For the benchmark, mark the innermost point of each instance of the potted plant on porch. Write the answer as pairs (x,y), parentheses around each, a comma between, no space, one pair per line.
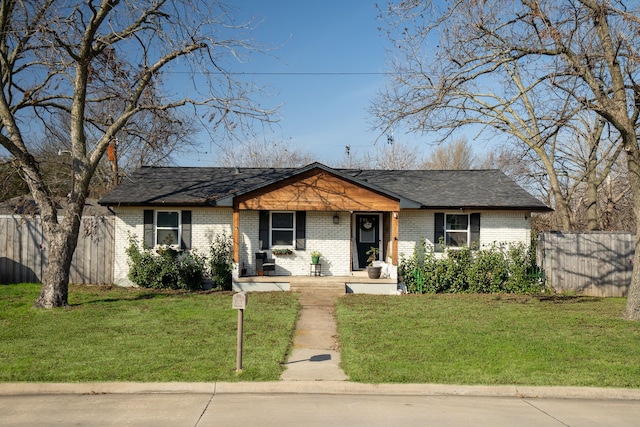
(315,257)
(373,272)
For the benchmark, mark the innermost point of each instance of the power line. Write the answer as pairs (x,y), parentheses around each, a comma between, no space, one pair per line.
(286,73)
(313,73)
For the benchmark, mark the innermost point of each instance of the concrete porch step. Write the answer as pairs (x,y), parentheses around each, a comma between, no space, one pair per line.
(357,282)
(317,284)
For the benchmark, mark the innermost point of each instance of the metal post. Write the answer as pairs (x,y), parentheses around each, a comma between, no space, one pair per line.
(240,333)
(239,302)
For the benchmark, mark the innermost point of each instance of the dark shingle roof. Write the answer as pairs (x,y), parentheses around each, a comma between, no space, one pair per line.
(188,185)
(454,188)
(181,186)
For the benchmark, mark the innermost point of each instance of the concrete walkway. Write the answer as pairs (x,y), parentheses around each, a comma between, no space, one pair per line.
(316,354)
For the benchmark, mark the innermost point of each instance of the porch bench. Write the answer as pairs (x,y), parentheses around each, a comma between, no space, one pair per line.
(264,264)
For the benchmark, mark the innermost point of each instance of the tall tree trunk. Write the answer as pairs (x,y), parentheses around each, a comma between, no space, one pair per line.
(593,182)
(62,240)
(562,209)
(632,311)
(592,195)
(561,205)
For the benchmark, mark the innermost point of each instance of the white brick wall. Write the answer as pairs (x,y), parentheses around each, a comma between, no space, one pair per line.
(206,223)
(129,222)
(332,240)
(249,240)
(321,235)
(496,228)
(502,228)
(413,226)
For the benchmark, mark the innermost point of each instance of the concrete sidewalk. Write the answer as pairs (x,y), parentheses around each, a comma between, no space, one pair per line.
(315,355)
(311,404)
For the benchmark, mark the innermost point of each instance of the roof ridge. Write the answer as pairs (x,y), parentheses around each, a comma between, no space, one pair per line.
(425,188)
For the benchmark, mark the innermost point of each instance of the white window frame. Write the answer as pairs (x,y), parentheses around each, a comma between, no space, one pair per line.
(292,229)
(468,230)
(156,227)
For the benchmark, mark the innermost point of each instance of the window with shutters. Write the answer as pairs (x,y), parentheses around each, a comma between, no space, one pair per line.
(167,228)
(456,230)
(283,229)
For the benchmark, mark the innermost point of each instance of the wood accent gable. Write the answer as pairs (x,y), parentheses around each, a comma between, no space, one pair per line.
(316,190)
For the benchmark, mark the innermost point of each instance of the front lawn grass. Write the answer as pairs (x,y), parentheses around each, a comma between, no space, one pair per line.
(123,334)
(120,334)
(489,339)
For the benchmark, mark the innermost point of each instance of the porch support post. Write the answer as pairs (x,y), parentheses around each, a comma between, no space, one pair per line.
(394,238)
(236,235)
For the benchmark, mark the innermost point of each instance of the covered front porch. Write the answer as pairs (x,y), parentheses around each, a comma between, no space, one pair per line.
(358,283)
(315,210)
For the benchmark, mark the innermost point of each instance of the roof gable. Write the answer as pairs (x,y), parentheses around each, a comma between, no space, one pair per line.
(317,189)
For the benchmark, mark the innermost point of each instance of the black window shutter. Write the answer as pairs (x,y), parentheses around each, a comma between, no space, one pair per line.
(263,232)
(475,231)
(438,235)
(185,242)
(301,226)
(149,240)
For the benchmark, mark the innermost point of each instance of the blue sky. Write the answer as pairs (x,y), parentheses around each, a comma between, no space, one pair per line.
(321,114)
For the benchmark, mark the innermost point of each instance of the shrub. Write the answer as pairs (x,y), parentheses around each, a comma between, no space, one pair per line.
(411,270)
(164,268)
(462,270)
(488,272)
(191,268)
(524,274)
(221,262)
(456,262)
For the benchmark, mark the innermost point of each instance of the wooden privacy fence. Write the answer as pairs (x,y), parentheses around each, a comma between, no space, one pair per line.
(595,263)
(24,251)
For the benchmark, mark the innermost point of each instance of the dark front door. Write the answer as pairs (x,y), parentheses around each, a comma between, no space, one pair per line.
(367,235)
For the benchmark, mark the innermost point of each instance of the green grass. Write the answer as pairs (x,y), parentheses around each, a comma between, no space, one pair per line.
(489,339)
(119,334)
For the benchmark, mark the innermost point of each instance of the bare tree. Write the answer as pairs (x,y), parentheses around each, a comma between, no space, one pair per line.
(95,56)
(587,158)
(153,138)
(586,151)
(10,183)
(455,155)
(470,81)
(575,54)
(616,200)
(264,154)
(392,154)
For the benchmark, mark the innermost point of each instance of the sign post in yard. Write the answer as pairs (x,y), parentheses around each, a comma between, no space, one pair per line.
(239,303)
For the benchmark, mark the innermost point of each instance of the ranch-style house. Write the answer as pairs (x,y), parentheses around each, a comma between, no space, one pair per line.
(278,216)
